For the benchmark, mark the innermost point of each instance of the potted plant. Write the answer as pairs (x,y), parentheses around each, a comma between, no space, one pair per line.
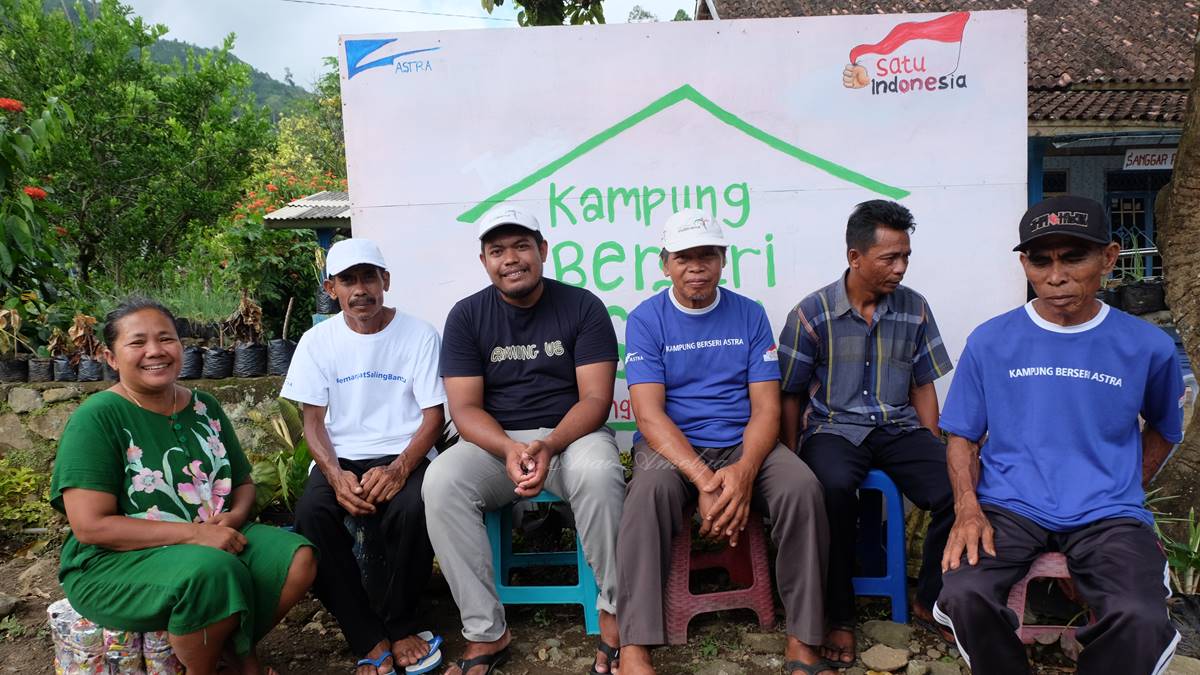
(249,354)
(326,303)
(280,350)
(41,366)
(218,361)
(13,368)
(89,353)
(62,350)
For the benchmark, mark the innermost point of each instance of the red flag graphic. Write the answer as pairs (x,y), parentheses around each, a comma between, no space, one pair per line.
(947,28)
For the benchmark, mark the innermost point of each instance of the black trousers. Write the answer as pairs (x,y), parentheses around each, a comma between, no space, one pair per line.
(1119,569)
(400,523)
(916,462)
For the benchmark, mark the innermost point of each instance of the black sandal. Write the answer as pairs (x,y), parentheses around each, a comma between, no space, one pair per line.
(613,654)
(492,661)
(809,668)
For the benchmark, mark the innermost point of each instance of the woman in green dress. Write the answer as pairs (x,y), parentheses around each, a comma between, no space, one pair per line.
(158,494)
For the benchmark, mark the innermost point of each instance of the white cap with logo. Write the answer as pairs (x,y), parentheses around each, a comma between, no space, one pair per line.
(689,228)
(507,214)
(350,252)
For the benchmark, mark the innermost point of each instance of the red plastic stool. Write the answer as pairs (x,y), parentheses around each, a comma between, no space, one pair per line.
(1045,566)
(746,565)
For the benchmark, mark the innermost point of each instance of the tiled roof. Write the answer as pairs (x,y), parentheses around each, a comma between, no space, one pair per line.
(1135,105)
(1137,53)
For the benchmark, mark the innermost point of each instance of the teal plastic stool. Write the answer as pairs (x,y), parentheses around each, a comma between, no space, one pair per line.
(893,582)
(584,592)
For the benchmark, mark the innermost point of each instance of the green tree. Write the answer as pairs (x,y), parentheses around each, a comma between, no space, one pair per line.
(269,265)
(640,15)
(156,149)
(311,140)
(552,12)
(31,252)
(681,15)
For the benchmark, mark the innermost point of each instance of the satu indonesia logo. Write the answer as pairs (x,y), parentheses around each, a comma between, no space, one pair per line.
(914,56)
(383,55)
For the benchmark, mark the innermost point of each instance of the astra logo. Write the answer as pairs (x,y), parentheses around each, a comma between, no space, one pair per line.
(358,50)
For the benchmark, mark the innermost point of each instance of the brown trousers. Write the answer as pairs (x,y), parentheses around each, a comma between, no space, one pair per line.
(785,491)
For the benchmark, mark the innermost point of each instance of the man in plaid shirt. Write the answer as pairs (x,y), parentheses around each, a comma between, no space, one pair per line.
(858,360)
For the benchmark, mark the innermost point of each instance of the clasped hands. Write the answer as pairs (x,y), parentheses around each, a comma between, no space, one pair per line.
(724,502)
(377,485)
(527,465)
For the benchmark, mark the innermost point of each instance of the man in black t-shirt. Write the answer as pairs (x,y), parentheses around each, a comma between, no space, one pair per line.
(528,365)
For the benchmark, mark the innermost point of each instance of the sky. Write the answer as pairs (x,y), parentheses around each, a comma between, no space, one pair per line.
(276,34)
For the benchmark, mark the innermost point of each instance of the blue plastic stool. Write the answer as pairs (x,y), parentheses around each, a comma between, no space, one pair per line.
(584,592)
(883,558)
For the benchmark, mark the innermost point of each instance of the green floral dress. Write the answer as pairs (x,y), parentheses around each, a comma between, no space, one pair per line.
(180,468)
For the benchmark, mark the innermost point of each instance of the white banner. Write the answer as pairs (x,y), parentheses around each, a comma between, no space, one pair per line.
(777,126)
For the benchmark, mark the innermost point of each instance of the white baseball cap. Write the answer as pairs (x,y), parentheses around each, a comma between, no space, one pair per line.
(350,252)
(507,214)
(689,228)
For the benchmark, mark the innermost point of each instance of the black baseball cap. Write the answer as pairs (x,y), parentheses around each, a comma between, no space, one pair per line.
(1073,216)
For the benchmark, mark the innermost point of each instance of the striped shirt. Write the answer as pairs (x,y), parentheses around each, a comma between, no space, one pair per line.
(858,377)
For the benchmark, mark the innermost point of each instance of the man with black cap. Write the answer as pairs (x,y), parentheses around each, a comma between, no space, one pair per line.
(528,364)
(368,379)
(1046,454)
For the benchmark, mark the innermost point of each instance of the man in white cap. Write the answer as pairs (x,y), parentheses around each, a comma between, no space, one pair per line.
(529,365)
(703,375)
(368,379)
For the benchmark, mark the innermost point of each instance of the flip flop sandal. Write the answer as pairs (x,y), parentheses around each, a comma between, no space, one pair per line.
(492,661)
(809,668)
(613,654)
(378,661)
(432,660)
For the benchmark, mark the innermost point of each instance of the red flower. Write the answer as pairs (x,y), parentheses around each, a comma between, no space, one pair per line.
(35,192)
(11,105)
(62,231)
(271,188)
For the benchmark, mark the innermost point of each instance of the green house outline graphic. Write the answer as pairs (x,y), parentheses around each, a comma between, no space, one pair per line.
(684,93)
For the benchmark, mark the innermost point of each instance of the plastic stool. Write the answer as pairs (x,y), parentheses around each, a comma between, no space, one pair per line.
(584,592)
(888,579)
(746,565)
(1045,566)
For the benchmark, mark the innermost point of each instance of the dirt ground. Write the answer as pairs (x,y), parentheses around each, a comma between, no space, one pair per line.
(547,640)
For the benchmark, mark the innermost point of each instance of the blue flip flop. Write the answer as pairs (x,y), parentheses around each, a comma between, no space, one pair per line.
(376,662)
(432,660)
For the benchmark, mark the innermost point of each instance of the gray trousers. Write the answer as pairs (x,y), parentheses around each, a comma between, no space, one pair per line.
(466,481)
(785,491)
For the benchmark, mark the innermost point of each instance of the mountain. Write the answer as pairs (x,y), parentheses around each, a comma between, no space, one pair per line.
(275,95)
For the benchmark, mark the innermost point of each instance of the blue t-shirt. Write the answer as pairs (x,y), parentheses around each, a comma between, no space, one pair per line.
(706,360)
(1060,408)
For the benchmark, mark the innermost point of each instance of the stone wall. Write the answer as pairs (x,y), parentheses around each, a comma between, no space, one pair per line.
(32,415)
